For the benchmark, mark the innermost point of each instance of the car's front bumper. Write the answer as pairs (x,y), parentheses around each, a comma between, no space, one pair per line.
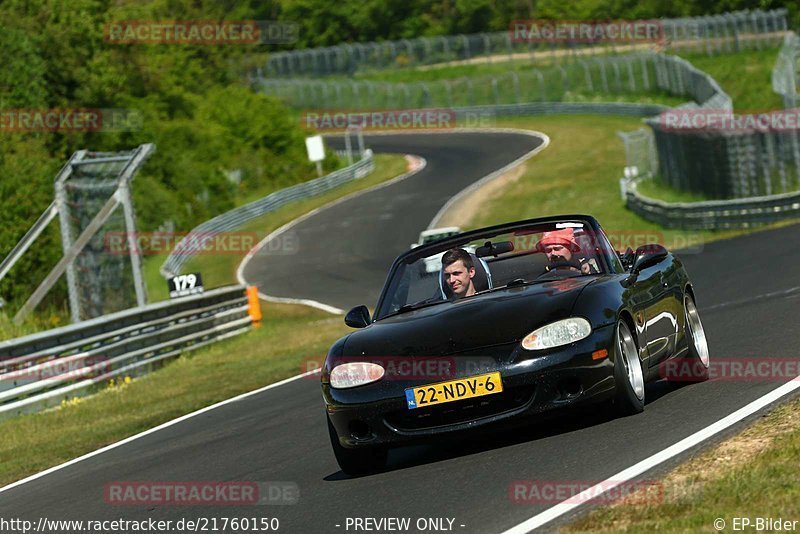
(377,413)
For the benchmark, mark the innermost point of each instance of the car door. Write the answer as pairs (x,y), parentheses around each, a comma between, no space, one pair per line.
(653,311)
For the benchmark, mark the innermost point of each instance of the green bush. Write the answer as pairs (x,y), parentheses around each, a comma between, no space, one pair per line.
(204,121)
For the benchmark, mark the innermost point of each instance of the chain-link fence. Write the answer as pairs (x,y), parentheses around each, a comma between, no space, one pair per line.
(103,279)
(752,160)
(631,74)
(723,163)
(640,153)
(705,148)
(89,190)
(785,72)
(711,35)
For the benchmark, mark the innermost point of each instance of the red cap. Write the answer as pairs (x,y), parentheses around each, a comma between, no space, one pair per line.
(564,237)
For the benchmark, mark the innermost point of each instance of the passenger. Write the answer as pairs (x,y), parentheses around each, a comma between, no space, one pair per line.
(458,272)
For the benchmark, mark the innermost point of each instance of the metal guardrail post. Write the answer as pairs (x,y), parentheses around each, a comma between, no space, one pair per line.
(66,233)
(69,255)
(30,236)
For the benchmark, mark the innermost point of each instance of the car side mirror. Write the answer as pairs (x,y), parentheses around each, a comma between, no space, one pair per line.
(358,317)
(647,256)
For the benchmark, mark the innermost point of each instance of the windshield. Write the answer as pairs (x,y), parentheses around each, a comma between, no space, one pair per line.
(490,261)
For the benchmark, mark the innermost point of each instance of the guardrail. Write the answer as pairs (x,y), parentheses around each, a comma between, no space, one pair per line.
(42,369)
(713,214)
(231,220)
(710,34)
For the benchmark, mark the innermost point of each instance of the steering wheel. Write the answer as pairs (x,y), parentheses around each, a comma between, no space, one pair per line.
(560,269)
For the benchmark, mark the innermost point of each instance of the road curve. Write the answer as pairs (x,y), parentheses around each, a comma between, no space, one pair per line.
(341,255)
(749,310)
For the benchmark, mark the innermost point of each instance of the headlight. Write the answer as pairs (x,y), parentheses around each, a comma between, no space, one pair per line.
(558,333)
(350,375)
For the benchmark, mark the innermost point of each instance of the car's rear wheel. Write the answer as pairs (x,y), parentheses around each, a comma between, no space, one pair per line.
(628,374)
(359,461)
(699,355)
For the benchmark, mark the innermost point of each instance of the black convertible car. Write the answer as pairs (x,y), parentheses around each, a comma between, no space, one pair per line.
(523,318)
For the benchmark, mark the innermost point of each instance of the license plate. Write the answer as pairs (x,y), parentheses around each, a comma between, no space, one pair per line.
(453,390)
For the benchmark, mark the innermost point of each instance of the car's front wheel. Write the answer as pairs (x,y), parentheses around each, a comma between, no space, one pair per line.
(628,374)
(359,461)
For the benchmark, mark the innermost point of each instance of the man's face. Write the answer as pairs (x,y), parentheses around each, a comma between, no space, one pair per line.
(459,278)
(557,252)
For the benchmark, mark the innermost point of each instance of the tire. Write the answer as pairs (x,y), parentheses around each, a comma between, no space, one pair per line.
(699,357)
(356,462)
(628,375)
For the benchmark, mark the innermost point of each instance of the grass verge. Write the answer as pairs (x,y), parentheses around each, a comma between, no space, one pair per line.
(745,76)
(35,442)
(558,181)
(751,474)
(655,189)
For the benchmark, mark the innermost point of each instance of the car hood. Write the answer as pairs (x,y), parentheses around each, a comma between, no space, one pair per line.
(496,318)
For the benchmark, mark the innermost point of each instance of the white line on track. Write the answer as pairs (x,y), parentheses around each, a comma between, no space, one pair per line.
(748,300)
(416,164)
(421,163)
(637,469)
(152,430)
(534,522)
(496,174)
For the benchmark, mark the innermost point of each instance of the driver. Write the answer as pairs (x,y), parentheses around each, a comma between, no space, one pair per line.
(559,246)
(459,272)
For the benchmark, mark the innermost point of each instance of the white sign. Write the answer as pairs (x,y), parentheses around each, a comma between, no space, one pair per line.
(184,285)
(316,150)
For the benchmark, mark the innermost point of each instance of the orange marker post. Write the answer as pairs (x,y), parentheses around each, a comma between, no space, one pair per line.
(254,306)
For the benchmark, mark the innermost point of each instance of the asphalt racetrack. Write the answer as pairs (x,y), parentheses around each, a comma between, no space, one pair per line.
(344,252)
(747,292)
